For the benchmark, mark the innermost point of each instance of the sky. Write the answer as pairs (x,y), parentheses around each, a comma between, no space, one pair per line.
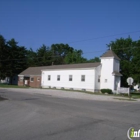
(88,25)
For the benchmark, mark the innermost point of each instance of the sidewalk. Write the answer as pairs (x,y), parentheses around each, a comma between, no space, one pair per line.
(71,94)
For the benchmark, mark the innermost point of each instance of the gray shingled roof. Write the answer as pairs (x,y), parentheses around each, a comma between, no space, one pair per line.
(116,73)
(110,53)
(37,70)
(33,71)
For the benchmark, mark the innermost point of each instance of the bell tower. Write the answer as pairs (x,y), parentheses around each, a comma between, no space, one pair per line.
(110,67)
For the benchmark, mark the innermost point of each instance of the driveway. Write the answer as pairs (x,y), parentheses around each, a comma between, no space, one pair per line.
(31,114)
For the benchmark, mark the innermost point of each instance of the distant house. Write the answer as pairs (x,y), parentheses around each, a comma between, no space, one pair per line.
(7,80)
(84,76)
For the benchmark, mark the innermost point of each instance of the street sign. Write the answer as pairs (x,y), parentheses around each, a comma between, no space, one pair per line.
(130,80)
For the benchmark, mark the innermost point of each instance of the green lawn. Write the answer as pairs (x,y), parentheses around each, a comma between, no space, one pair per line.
(10,86)
(129,99)
(135,95)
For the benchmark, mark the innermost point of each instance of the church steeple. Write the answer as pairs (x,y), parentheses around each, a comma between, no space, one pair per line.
(110,66)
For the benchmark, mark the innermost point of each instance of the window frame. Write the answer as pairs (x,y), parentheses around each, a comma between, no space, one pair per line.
(58,77)
(70,77)
(49,77)
(83,78)
(38,78)
(99,78)
(31,79)
(20,79)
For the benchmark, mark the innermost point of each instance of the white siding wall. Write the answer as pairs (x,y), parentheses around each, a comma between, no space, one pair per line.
(106,73)
(76,82)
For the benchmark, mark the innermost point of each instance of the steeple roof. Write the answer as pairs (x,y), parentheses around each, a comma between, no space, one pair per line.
(110,53)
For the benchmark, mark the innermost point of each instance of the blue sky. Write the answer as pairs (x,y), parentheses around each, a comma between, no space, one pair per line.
(83,24)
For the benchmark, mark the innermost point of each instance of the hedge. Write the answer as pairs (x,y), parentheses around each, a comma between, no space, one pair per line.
(109,91)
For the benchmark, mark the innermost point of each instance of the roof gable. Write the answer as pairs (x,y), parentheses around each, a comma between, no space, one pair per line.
(110,53)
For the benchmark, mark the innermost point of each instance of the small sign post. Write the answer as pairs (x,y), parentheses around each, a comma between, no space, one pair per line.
(130,82)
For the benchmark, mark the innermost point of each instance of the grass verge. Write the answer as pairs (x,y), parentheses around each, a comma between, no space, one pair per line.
(125,99)
(135,95)
(11,86)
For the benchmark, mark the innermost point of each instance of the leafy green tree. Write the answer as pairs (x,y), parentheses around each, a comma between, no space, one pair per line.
(44,56)
(17,58)
(31,58)
(3,57)
(75,57)
(59,52)
(95,59)
(128,51)
(136,61)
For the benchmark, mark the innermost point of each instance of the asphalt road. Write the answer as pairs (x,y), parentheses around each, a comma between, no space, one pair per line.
(26,116)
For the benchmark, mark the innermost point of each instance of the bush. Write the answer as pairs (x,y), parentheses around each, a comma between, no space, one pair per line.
(109,91)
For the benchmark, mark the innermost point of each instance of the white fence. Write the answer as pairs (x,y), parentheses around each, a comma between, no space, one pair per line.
(123,90)
(5,81)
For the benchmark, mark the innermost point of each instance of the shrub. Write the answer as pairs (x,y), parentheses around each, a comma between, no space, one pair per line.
(109,91)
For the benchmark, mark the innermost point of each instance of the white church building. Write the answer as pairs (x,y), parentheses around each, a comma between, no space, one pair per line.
(84,76)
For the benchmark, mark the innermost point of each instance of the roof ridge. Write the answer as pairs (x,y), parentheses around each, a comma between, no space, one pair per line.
(37,70)
(64,64)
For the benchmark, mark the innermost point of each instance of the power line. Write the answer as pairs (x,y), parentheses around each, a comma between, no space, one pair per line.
(113,50)
(103,37)
(66,54)
(86,40)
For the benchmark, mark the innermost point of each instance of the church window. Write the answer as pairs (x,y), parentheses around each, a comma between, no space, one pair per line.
(99,78)
(70,77)
(49,77)
(58,77)
(82,77)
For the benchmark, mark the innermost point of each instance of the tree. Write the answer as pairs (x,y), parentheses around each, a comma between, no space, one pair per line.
(3,57)
(59,52)
(44,56)
(31,58)
(75,57)
(95,59)
(17,58)
(136,61)
(128,51)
